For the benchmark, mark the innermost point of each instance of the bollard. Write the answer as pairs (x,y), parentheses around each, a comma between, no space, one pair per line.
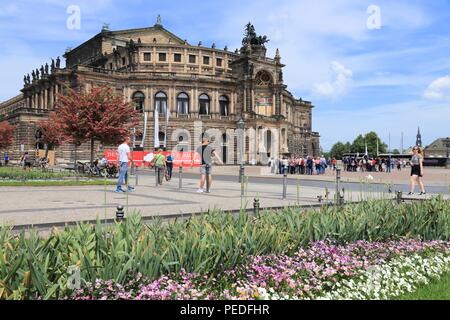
(399,197)
(284,183)
(338,182)
(256,207)
(136,176)
(180,178)
(342,201)
(208,174)
(120,213)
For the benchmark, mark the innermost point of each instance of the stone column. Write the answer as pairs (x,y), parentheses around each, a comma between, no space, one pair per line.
(52,97)
(45,97)
(152,100)
(195,106)
(147,100)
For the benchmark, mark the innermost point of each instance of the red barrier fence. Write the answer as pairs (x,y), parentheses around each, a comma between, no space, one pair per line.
(181,159)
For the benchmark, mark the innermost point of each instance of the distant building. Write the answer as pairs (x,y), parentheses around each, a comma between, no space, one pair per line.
(438,149)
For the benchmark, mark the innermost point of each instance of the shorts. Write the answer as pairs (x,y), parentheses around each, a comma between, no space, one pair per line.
(415,171)
(203,169)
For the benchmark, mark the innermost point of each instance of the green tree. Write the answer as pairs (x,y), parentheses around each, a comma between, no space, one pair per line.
(371,138)
(339,149)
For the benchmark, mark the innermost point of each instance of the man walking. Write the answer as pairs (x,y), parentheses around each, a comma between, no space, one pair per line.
(6,158)
(160,164)
(123,160)
(207,153)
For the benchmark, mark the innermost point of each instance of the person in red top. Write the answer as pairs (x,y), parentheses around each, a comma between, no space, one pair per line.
(334,163)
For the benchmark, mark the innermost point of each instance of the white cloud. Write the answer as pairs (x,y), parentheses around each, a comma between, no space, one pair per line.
(338,86)
(439,89)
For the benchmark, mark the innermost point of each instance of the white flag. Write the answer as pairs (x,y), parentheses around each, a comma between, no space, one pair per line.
(157,143)
(167,125)
(145,129)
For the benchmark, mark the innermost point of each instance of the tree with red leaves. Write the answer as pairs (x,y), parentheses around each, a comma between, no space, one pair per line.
(6,134)
(99,115)
(52,135)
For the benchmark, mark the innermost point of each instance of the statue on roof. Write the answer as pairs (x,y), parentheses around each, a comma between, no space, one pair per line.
(28,79)
(58,63)
(37,74)
(52,68)
(252,39)
(158,21)
(46,68)
(33,74)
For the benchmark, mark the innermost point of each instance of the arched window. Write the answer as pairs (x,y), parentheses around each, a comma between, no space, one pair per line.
(204,103)
(224,106)
(139,100)
(183,104)
(161,102)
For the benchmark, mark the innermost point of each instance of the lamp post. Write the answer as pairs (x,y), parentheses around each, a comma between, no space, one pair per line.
(241,127)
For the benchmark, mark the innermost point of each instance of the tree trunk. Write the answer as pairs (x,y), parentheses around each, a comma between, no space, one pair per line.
(92,152)
(75,159)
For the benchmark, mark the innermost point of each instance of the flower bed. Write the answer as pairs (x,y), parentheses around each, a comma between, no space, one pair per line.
(32,266)
(361,270)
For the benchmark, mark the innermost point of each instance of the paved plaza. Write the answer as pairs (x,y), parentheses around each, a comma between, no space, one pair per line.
(47,205)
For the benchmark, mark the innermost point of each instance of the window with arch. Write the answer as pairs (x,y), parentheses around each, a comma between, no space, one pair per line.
(139,101)
(161,102)
(204,103)
(224,106)
(183,104)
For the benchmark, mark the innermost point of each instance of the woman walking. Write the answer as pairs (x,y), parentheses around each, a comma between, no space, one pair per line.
(417,171)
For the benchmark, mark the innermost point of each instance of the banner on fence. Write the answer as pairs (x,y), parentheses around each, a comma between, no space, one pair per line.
(181,159)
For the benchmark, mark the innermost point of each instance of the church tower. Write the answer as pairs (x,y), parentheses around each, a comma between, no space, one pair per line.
(419,139)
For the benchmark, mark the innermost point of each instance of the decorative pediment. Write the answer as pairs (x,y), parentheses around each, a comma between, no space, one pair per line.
(156,34)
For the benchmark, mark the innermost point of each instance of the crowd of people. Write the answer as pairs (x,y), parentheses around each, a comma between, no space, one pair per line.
(375,164)
(319,165)
(303,166)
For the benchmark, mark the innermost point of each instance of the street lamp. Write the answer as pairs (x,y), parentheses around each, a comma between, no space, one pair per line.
(241,127)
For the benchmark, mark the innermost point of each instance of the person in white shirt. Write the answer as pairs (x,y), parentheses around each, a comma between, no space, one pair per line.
(123,159)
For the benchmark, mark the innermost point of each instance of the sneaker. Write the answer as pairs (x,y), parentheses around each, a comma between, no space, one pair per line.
(120,191)
(422,194)
(410,193)
(200,191)
(130,189)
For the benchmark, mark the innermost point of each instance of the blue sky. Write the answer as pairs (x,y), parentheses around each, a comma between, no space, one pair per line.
(390,80)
